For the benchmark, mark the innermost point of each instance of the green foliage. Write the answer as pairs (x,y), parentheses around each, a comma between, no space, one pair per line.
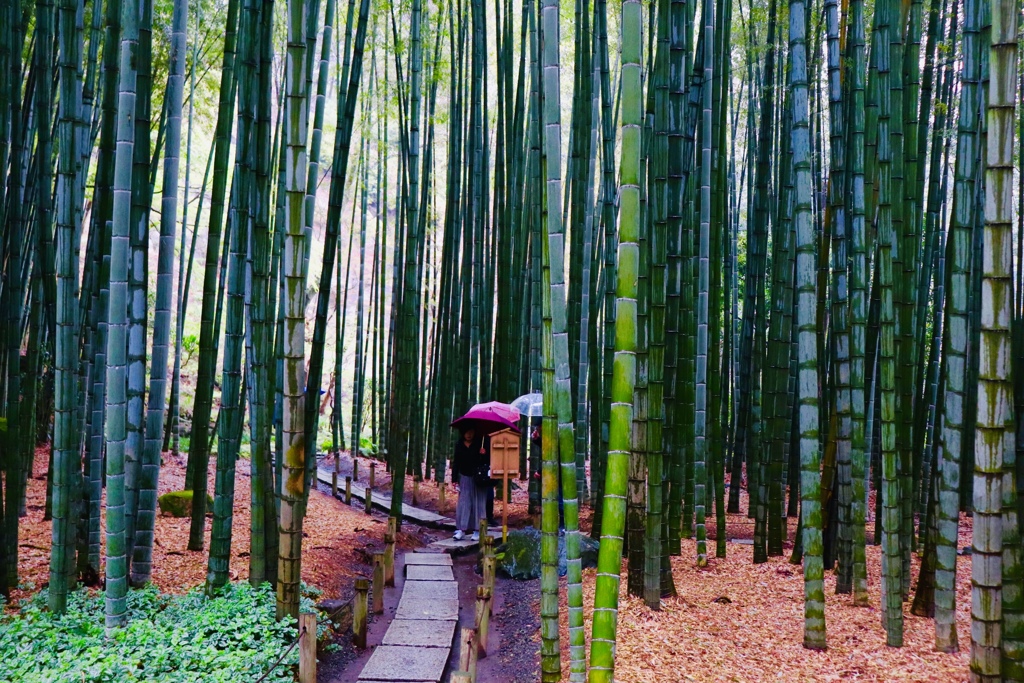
(231,637)
(189,344)
(179,503)
(367,448)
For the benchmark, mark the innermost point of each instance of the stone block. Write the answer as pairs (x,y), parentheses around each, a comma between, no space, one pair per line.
(421,633)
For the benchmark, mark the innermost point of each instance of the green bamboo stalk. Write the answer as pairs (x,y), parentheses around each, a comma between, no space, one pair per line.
(806,303)
(138,273)
(117,567)
(858,302)
(891,558)
(65,436)
(263,515)
(229,418)
(299,454)
(956,338)
(606,592)
(293,314)
(359,380)
(13,311)
(700,464)
(199,454)
(996,622)
(150,465)
(837,216)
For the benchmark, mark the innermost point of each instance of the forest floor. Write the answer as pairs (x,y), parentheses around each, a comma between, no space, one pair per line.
(730,621)
(737,621)
(338,544)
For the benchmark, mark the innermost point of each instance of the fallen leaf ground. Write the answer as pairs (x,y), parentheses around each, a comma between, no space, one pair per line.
(757,634)
(338,540)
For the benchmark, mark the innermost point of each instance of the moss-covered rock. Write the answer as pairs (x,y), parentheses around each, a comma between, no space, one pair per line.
(519,556)
(179,503)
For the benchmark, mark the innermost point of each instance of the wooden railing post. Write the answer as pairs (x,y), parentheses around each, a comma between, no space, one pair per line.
(369,498)
(359,611)
(378,583)
(440,495)
(307,647)
(373,473)
(467,652)
(389,552)
(355,468)
(483,619)
(348,490)
(334,484)
(489,564)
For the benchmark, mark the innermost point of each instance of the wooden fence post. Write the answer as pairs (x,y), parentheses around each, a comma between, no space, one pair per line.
(348,490)
(334,484)
(489,564)
(467,652)
(460,677)
(378,583)
(440,496)
(483,618)
(373,473)
(389,552)
(359,613)
(307,647)
(355,468)
(485,540)
(369,498)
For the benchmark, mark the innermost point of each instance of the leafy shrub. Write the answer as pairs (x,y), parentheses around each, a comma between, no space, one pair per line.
(169,639)
(367,448)
(179,503)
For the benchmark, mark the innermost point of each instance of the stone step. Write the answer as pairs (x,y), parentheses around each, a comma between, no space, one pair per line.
(428,558)
(431,590)
(405,663)
(420,633)
(428,572)
(428,608)
(466,546)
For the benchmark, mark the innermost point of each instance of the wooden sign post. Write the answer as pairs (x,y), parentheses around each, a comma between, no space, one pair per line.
(504,465)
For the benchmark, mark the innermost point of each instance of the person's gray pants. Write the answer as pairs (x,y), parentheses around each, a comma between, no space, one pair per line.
(472,506)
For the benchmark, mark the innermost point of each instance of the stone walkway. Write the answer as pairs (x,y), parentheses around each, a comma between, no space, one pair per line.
(418,642)
(382,500)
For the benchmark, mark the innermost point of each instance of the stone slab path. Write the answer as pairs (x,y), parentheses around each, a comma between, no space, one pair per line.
(418,642)
(466,545)
(382,501)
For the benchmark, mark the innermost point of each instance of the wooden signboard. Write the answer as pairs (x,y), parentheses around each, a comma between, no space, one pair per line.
(504,454)
(504,465)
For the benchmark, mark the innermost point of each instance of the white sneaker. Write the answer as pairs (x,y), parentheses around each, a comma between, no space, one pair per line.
(459,535)
(475,536)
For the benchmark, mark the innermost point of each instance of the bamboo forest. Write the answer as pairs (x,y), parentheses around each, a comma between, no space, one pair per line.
(511,341)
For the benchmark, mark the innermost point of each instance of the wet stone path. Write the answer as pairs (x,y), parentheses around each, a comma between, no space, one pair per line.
(418,642)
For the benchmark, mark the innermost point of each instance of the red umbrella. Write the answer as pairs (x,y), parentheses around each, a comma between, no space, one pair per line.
(490,417)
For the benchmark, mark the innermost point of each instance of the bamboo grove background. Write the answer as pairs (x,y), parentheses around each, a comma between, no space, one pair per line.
(772,265)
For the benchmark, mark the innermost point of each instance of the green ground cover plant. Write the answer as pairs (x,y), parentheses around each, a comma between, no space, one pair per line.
(232,636)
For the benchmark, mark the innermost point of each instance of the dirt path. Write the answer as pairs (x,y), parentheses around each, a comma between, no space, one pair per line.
(512,641)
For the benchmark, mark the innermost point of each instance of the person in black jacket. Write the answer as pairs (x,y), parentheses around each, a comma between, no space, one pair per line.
(468,464)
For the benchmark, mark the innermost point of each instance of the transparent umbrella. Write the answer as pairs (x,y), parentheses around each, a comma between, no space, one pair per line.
(530,405)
